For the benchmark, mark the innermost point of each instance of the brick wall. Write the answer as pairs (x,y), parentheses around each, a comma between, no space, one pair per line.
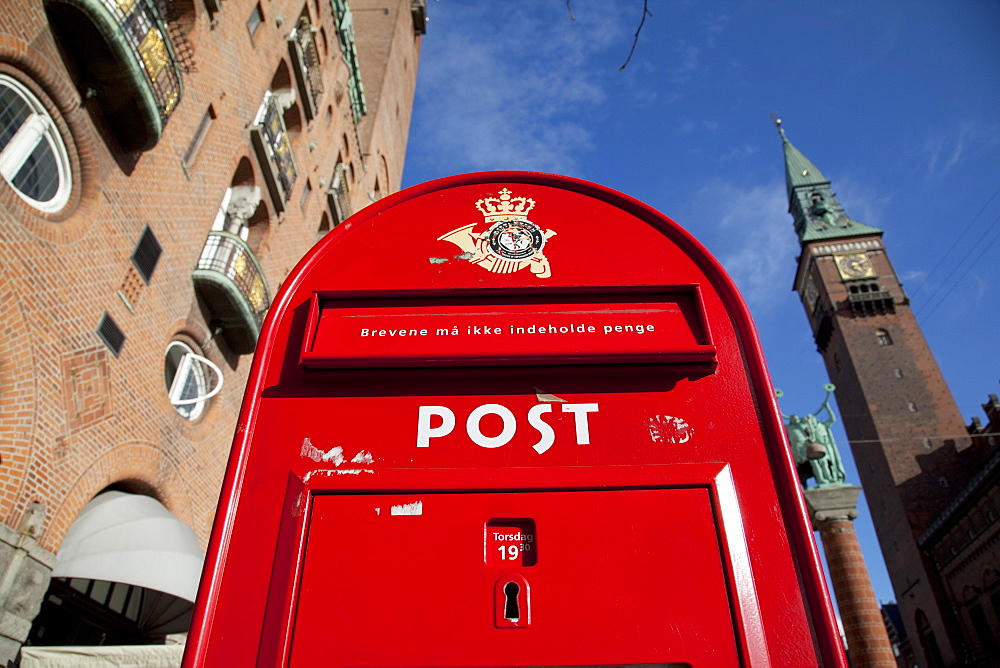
(73,417)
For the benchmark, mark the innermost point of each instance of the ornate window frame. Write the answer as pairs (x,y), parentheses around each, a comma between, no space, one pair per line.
(29,141)
(188,385)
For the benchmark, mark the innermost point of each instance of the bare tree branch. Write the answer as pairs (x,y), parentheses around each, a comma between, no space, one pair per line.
(645,13)
(569,8)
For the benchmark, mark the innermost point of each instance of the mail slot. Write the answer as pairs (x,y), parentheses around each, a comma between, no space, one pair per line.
(642,325)
(511,419)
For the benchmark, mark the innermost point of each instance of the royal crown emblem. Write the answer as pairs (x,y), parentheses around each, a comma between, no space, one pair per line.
(505,207)
(511,243)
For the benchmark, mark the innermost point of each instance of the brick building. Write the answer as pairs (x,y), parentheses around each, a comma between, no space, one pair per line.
(165,164)
(963,544)
(922,471)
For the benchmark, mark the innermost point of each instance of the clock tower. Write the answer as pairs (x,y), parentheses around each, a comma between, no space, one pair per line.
(905,431)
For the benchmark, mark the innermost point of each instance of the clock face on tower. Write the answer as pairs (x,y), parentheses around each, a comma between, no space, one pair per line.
(854,265)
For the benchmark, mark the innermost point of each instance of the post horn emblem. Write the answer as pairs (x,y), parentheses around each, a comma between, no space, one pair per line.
(511,243)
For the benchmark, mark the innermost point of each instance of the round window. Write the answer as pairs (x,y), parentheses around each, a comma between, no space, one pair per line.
(191,380)
(33,157)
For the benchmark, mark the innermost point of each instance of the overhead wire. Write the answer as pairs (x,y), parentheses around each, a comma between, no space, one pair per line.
(938,297)
(955,243)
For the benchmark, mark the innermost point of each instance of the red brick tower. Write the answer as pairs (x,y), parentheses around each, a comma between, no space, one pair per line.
(905,430)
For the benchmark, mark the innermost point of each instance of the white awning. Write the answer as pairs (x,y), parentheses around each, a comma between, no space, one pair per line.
(130,538)
(133,656)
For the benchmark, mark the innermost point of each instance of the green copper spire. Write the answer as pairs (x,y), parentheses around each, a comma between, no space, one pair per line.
(813,205)
(799,171)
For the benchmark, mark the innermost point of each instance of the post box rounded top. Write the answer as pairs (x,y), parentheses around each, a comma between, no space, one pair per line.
(513,230)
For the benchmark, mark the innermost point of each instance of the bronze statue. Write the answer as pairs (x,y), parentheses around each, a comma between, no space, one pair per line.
(812,442)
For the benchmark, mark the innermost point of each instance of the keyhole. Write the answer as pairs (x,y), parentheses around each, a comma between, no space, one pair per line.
(511,609)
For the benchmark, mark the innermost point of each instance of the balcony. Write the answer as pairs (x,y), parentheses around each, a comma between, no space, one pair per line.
(274,151)
(338,196)
(124,60)
(865,299)
(232,285)
(305,59)
(349,52)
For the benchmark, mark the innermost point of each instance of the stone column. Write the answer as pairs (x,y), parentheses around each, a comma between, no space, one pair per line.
(25,571)
(832,511)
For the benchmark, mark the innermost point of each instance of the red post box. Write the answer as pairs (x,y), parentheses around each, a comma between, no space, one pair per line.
(511,419)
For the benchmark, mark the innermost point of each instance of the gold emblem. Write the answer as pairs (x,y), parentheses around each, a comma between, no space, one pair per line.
(511,243)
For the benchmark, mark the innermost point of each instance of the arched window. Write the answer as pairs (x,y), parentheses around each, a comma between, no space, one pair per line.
(324,226)
(928,642)
(33,157)
(883,337)
(338,194)
(189,380)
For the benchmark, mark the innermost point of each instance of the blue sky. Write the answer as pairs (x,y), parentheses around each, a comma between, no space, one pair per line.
(897,103)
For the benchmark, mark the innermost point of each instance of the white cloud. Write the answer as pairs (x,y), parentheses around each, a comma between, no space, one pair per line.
(737,152)
(752,237)
(715,27)
(509,94)
(863,200)
(687,63)
(914,275)
(943,148)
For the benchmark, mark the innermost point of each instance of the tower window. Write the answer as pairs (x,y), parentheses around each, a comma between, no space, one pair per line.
(912,407)
(898,373)
(883,338)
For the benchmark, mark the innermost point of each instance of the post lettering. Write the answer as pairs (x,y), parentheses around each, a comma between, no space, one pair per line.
(425,432)
(546,434)
(509,426)
(582,425)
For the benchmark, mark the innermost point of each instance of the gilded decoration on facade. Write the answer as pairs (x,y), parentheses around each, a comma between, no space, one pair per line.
(153,51)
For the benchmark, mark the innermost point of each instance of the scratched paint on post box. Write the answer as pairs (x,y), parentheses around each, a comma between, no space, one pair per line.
(669,429)
(334,455)
(415,508)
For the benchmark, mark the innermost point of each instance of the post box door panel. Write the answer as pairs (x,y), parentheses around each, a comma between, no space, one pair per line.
(596,577)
